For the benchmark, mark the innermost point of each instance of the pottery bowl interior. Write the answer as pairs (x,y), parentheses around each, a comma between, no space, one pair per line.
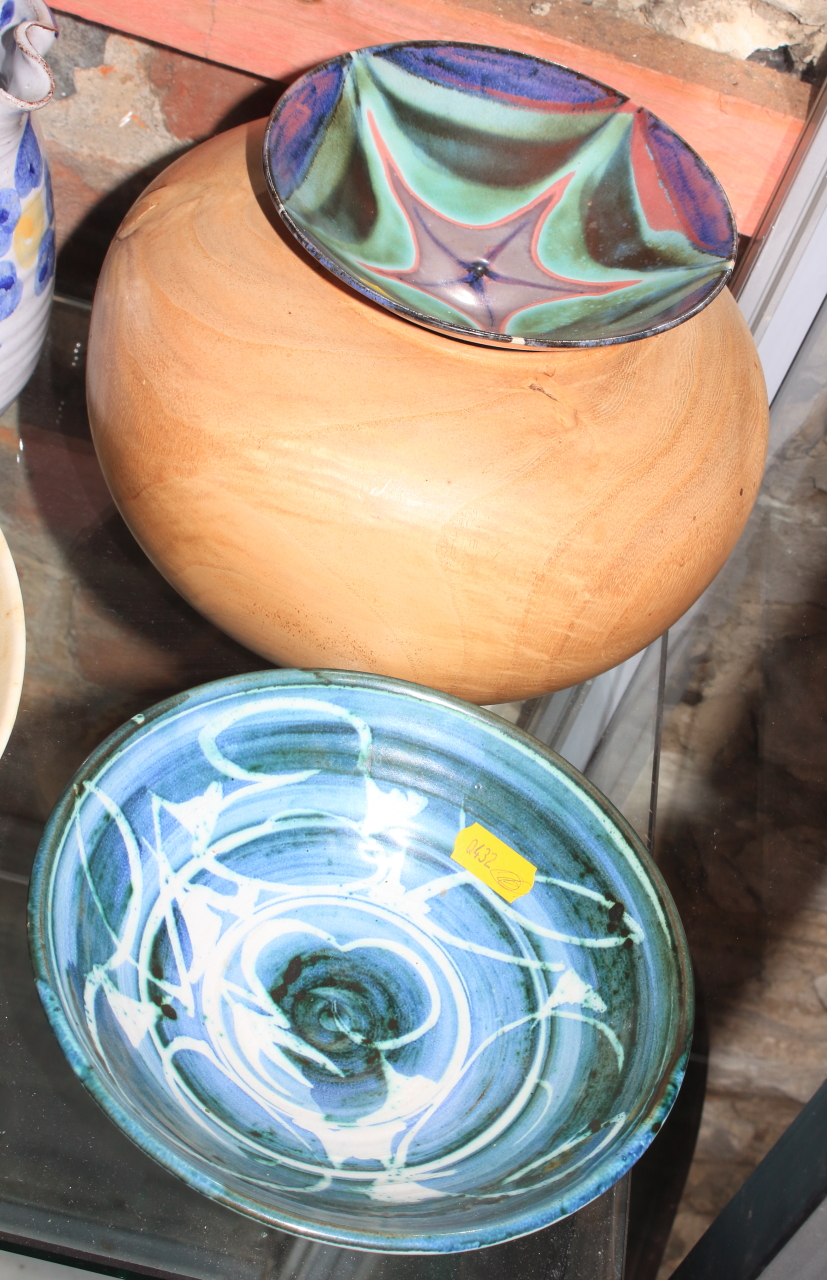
(259,955)
(497,197)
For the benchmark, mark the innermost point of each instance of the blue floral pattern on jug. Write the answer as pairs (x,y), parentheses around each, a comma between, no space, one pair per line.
(11,289)
(27,225)
(259,954)
(28,168)
(9,216)
(45,262)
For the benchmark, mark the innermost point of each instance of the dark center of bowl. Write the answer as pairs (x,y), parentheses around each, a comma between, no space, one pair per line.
(339,1005)
(476,271)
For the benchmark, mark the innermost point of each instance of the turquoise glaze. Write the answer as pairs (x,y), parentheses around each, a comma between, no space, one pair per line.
(497,197)
(258,955)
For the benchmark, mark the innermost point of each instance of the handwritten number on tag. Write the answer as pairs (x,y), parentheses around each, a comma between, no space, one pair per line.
(493,862)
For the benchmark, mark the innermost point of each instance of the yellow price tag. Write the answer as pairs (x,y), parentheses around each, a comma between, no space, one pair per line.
(493,862)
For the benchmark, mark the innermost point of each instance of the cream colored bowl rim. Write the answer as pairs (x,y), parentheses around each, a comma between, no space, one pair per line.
(12,642)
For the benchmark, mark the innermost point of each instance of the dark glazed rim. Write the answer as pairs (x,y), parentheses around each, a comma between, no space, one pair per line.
(192,1171)
(481,337)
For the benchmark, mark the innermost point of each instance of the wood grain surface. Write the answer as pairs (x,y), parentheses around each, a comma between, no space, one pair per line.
(336,487)
(12,643)
(745,139)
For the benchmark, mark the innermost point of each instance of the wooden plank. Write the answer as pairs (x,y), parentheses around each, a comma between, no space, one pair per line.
(599,28)
(746,144)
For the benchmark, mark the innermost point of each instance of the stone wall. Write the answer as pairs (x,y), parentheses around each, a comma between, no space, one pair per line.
(789,35)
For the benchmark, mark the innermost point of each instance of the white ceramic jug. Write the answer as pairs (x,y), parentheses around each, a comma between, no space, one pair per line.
(27,233)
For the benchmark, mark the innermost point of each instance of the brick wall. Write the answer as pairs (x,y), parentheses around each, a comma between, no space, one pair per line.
(122,110)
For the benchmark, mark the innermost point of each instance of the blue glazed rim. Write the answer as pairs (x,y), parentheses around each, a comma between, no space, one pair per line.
(482,337)
(504,1228)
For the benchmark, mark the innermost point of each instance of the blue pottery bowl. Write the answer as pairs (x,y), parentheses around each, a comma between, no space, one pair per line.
(497,197)
(361,961)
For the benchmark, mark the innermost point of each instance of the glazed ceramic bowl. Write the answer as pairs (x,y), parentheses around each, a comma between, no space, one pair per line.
(12,643)
(361,961)
(497,197)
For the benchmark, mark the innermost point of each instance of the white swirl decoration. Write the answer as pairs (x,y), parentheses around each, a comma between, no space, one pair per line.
(319,1001)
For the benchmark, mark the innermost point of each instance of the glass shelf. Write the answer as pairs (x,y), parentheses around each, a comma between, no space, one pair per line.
(106,638)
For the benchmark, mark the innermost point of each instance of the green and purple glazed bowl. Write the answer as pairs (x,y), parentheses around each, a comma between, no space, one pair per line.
(497,197)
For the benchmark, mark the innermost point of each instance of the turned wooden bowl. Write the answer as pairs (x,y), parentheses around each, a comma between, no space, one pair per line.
(12,643)
(336,487)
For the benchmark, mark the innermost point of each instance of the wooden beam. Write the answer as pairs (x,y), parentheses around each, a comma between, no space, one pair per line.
(746,142)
